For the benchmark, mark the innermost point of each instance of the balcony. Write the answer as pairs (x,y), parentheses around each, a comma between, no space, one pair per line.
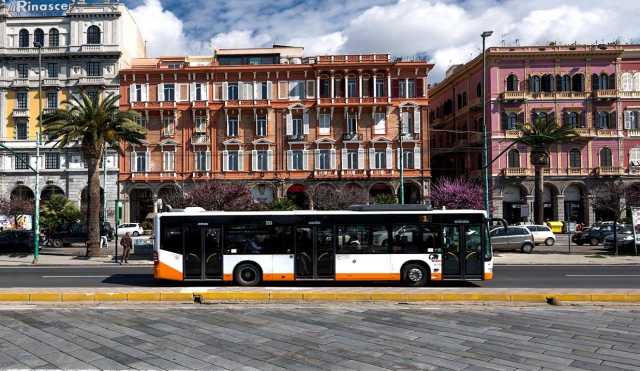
(34,51)
(351,137)
(571,95)
(20,83)
(20,112)
(584,132)
(633,133)
(49,82)
(353,58)
(512,134)
(168,133)
(297,138)
(607,133)
(516,171)
(605,94)
(92,80)
(381,173)
(609,171)
(629,94)
(513,95)
(328,173)
(200,139)
(410,136)
(542,95)
(353,173)
(577,171)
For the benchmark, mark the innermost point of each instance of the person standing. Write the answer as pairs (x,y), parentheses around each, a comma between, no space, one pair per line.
(126,244)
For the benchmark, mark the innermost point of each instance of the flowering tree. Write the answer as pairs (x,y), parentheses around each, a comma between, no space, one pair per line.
(328,198)
(15,208)
(459,193)
(221,196)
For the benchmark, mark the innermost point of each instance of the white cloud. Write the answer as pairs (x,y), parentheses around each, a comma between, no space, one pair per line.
(160,28)
(240,39)
(321,45)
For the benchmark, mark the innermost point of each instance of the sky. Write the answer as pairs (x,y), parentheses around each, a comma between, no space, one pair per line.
(446,32)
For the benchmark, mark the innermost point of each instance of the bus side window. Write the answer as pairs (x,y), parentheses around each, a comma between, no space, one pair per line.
(405,239)
(429,238)
(172,240)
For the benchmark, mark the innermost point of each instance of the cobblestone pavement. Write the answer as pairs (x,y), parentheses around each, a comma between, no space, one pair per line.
(323,336)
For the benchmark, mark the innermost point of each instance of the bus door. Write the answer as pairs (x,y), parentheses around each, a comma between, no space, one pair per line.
(202,252)
(315,255)
(462,249)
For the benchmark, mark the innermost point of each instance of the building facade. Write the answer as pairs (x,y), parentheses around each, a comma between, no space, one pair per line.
(83,46)
(285,124)
(592,88)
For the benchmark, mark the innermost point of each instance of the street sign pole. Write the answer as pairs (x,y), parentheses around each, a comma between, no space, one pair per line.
(36,222)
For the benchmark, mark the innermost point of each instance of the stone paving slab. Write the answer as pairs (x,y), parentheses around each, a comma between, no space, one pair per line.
(321,337)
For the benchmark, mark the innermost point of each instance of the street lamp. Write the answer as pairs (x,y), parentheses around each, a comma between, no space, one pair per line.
(36,222)
(485,137)
(401,154)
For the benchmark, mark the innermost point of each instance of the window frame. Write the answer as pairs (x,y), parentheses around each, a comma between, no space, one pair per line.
(22,161)
(52,160)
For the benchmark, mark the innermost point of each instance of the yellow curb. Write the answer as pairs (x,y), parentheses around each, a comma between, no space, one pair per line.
(10,296)
(318,296)
(285,296)
(76,296)
(632,298)
(456,297)
(388,296)
(573,297)
(352,296)
(422,297)
(529,298)
(236,296)
(618,298)
(45,296)
(111,296)
(143,296)
(176,296)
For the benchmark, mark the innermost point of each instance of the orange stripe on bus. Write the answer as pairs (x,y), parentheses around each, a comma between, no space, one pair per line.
(165,272)
(227,277)
(368,277)
(488,276)
(436,276)
(278,277)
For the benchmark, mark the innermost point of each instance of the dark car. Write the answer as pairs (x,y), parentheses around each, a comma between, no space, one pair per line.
(626,240)
(75,233)
(593,235)
(16,241)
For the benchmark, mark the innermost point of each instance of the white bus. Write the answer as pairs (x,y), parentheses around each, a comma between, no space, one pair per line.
(367,244)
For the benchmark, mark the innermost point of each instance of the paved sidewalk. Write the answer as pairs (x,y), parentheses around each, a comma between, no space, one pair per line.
(321,337)
(504,258)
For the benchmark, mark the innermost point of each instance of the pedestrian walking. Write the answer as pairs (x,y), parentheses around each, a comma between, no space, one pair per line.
(126,248)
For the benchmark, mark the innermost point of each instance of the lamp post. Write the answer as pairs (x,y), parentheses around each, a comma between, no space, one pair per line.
(485,136)
(401,154)
(36,222)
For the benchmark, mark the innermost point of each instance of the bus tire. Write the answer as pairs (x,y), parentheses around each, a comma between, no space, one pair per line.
(415,275)
(248,274)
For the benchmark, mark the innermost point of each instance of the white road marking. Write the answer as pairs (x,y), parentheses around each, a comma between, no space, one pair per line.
(75,276)
(602,275)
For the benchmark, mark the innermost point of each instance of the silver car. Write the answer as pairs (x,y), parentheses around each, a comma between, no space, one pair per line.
(512,238)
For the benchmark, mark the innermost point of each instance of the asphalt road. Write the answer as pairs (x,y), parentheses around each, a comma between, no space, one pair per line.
(602,277)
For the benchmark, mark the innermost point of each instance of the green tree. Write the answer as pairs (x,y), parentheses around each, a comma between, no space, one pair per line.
(539,137)
(282,204)
(95,124)
(58,210)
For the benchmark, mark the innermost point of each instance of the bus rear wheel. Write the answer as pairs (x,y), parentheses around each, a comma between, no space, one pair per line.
(248,275)
(415,275)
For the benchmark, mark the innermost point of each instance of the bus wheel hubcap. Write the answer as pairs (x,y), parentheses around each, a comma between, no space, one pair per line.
(248,275)
(415,274)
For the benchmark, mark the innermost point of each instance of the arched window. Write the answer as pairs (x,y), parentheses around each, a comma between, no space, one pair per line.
(576,82)
(464,98)
(512,121)
(23,38)
(595,82)
(627,82)
(54,37)
(93,35)
(539,116)
(566,83)
(604,81)
(38,37)
(605,157)
(534,84)
(571,119)
(514,159)
(636,81)
(512,83)
(479,90)
(459,100)
(546,83)
(575,159)
(603,120)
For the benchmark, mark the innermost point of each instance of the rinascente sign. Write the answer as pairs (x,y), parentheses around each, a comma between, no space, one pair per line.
(42,8)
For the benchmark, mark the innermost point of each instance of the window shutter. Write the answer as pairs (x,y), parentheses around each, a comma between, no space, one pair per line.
(343,158)
(399,158)
(395,88)
(317,162)
(160,92)
(132,93)
(270,160)
(627,120)
(208,160)
(145,92)
(240,160)
(305,159)
(389,157)
(227,124)
(305,122)
(205,91)
(360,158)
(289,160)
(257,91)
(636,82)
(182,90)
(146,161)
(416,120)
(404,120)
(192,91)
(254,160)
(505,121)
(420,88)
(134,168)
(241,91)
(613,124)
(311,88)
(332,163)
(289,123)
(417,158)
(372,158)
(269,90)
(225,91)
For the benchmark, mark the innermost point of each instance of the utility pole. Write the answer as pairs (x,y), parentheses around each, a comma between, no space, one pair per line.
(36,222)
(401,154)
(485,134)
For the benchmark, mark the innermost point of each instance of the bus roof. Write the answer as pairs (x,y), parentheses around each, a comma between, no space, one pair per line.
(321,212)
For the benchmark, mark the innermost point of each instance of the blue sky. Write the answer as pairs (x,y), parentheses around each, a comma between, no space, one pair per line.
(447,31)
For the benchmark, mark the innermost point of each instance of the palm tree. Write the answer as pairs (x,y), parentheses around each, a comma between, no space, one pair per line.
(94,124)
(539,136)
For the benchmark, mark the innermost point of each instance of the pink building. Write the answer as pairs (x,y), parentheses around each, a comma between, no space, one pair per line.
(593,88)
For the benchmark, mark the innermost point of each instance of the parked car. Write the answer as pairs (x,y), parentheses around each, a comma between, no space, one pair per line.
(512,238)
(16,241)
(134,229)
(542,234)
(75,233)
(593,235)
(626,240)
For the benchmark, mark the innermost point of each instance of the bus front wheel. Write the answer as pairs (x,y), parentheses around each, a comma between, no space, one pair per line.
(415,275)
(248,275)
